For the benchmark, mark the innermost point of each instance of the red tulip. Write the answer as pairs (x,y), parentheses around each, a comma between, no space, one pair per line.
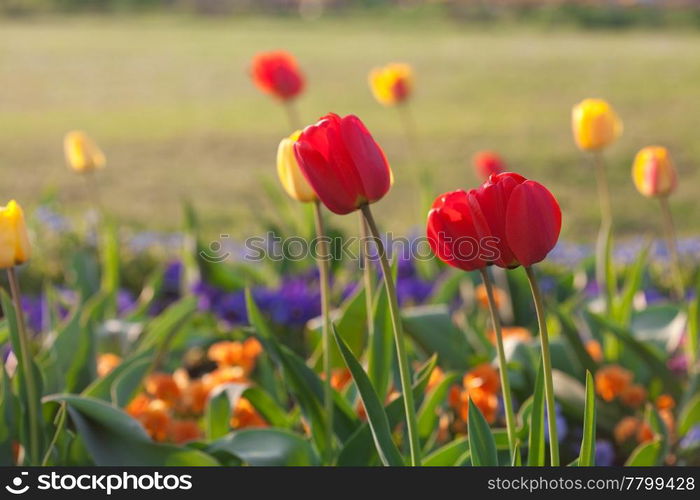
(452,231)
(488,163)
(278,74)
(509,221)
(343,163)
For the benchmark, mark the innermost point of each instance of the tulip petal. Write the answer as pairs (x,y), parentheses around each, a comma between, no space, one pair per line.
(533,222)
(369,160)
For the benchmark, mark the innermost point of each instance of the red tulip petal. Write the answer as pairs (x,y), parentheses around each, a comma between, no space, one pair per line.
(368,158)
(533,222)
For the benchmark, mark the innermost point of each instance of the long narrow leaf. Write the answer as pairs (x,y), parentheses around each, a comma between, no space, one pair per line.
(482,445)
(586,457)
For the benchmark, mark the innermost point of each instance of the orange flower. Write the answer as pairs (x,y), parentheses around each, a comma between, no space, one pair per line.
(626,429)
(482,297)
(155,420)
(106,362)
(245,415)
(487,402)
(162,386)
(340,378)
(644,433)
(391,84)
(511,333)
(483,377)
(182,431)
(224,375)
(633,396)
(665,402)
(611,381)
(669,420)
(435,378)
(194,397)
(233,353)
(138,405)
(594,350)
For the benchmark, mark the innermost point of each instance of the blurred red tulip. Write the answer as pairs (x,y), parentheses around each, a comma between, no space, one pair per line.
(343,163)
(452,231)
(488,163)
(278,74)
(508,221)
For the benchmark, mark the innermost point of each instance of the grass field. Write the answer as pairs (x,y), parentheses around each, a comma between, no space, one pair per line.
(171,103)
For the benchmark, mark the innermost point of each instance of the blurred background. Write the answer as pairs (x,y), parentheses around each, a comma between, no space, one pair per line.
(163,87)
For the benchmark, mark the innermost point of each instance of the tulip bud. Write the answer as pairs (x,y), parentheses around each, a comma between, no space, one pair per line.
(488,163)
(289,173)
(595,124)
(82,154)
(14,242)
(391,84)
(277,73)
(343,163)
(653,172)
(509,221)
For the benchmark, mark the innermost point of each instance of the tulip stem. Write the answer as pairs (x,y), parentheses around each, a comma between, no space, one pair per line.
(404,372)
(502,364)
(25,361)
(602,254)
(547,361)
(671,242)
(292,115)
(367,277)
(322,259)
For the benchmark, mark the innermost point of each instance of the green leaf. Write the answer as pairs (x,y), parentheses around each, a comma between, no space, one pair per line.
(359,449)
(536,441)
(586,457)
(109,260)
(24,389)
(571,334)
(427,415)
(689,415)
(381,347)
(633,283)
(8,420)
(449,455)
(431,327)
(109,387)
(267,447)
(164,326)
(482,445)
(376,416)
(217,415)
(304,385)
(113,438)
(645,455)
(644,352)
(267,407)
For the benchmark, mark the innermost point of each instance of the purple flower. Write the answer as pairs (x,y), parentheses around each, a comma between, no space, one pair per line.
(604,453)
(562,426)
(692,437)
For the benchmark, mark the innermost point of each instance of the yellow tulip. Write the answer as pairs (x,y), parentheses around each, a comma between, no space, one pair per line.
(14,242)
(82,154)
(391,84)
(653,172)
(595,124)
(291,177)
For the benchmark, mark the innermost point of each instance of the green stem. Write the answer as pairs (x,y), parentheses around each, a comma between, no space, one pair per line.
(502,364)
(367,277)
(671,242)
(322,260)
(547,362)
(404,372)
(292,115)
(25,361)
(605,227)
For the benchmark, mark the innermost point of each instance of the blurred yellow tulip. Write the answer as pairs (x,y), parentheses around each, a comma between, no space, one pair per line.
(653,172)
(82,154)
(595,124)
(14,242)
(293,181)
(391,84)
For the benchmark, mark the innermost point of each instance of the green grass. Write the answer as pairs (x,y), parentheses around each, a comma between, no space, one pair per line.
(170,101)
